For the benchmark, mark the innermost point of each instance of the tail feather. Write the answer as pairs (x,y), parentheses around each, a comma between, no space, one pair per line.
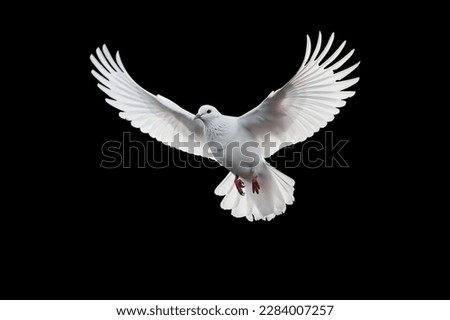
(230,201)
(225,186)
(288,180)
(243,209)
(277,191)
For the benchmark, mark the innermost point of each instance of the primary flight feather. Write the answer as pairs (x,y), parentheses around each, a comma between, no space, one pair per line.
(288,115)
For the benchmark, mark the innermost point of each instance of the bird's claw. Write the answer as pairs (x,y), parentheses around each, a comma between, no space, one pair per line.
(255,185)
(239,185)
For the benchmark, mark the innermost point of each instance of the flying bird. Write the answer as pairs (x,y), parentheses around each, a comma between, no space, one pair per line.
(253,188)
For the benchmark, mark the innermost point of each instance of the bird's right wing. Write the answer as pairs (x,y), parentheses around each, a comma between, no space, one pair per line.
(156,115)
(306,103)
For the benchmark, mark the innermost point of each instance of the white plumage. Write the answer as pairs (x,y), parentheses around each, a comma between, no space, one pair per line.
(290,114)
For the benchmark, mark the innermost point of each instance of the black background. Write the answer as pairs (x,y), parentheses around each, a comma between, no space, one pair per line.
(80,231)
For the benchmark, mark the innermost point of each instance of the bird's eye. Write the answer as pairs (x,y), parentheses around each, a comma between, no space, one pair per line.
(209,111)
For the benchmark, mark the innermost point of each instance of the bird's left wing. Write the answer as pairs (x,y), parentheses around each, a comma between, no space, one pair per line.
(156,115)
(306,103)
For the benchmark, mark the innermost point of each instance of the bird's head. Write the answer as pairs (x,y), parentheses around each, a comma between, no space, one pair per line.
(206,113)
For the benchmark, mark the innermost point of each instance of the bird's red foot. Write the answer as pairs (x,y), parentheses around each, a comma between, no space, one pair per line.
(255,185)
(239,185)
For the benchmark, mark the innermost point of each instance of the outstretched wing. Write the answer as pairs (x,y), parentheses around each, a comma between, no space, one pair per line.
(306,103)
(156,115)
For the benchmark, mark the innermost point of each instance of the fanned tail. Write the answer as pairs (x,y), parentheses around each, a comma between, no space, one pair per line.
(277,191)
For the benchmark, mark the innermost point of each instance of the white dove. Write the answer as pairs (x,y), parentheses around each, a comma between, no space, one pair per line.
(290,114)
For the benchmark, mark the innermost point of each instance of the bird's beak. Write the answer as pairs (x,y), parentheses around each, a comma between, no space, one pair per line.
(197,116)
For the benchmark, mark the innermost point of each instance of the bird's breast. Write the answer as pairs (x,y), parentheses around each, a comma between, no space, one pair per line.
(234,149)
